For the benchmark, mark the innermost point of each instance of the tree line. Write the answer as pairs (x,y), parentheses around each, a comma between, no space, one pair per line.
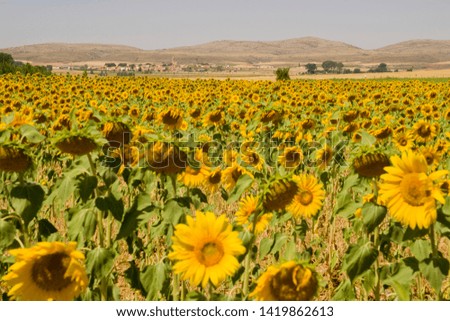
(335,67)
(9,65)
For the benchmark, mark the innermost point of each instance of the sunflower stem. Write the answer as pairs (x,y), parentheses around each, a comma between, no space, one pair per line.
(176,287)
(108,229)
(433,241)
(377,266)
(246,275)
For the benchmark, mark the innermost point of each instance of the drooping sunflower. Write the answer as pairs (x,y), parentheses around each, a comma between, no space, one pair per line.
(309,199)
(205,249)
(165,158)
(409,193)
(117,133)
(292,157)
(172,118)
(279,194)
(431,155)
(194,177)
(289,282)
(47,271)
(76,145)
(371,164)
(14,159)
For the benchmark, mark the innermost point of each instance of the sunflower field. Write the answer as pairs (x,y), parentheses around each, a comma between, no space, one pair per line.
(123,188)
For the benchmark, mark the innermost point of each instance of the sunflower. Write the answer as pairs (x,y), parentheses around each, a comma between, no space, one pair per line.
(324,156)
(213,180)
(47,271)
(194,177)
(424,131)
(14,159)
(248,207)
(214,118)
(403,141)
(289,282)
(431,155)
(252,158)
(291,157)
(166,158)
(308,200)
(205,249)
(279,194)
(230,157)
(370,164)
(230,175)
(76,145)
(409,193)
(117,133)
(172,119)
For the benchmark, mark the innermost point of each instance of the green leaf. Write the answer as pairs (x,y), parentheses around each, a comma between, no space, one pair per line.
(350,181)
(110,203)
(242,184)
(435,270)
(7,234)
(358,258)
(264,246)
(290,252)
(280,240)
(173,211)
(86,186)
(46,228)
(27,200)
(367,139)
(344,291)
(141,207)
(372,215)
(31,134)
(99,262)
(152,279)
(421,249)
(82,224)
(399,276)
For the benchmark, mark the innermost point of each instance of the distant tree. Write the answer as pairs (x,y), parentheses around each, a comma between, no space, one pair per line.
(382,67)
(339,66)
(283,74)
(6,59)
(110,65)
(356,71)
(329,66)
(311,68)
(122,64)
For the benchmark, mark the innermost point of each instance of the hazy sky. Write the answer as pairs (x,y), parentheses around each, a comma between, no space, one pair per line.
(157,24)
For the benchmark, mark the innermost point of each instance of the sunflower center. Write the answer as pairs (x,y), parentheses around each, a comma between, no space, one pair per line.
(215,178)
(293,284)
(424,131)
(403,142)
(49,270)
(170,119)
(211,253)
(293,156)
(305,197)
(215,117)
(414,190)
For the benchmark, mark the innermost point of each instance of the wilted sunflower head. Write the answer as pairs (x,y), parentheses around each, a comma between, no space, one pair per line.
(76,145)
(371,164)
(14,159)
(279,194)
(166,158)
(289,282)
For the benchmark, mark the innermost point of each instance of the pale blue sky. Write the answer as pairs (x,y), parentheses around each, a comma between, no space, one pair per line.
(158,24)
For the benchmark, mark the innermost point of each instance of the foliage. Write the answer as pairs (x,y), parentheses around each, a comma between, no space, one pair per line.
(282,74)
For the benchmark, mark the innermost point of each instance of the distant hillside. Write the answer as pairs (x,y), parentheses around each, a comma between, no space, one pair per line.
(291,51)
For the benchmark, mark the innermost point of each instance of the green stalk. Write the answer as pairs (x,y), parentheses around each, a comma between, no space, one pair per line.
(433,241)
(176,287)
(377,267)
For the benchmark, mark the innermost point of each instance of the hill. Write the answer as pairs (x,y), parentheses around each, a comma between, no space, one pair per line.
(424,53)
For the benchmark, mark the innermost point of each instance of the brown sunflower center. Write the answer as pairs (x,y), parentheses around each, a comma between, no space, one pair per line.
(49,270)
(305,197)
(414,189)
(215,117)
(402,142)
(211,253)
(424,131)
(214,178)
(170,119)
(293,156)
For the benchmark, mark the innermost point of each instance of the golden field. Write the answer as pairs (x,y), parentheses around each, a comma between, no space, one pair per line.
(133,188)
